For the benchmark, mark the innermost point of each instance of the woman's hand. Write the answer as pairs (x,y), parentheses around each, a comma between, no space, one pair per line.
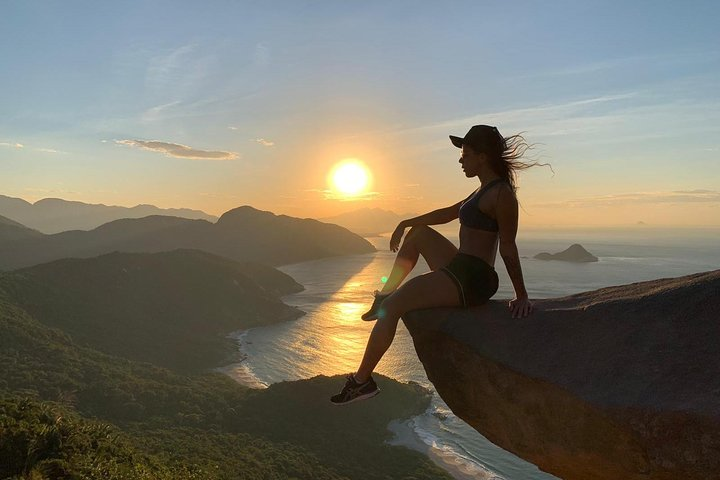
(396,237)
(520,307)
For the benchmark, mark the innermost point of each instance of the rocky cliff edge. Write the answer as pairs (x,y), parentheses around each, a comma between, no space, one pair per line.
(621,382)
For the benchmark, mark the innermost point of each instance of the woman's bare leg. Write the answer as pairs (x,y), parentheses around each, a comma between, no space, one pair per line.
(434,289)
(435,249)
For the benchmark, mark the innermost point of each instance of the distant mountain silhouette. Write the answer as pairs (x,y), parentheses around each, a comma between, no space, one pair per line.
(368,221)
(574,253)
(171,309)
(241,234)
(54,215)
(11,230)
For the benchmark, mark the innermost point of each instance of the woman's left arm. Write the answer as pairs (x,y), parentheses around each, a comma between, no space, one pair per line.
(507,217)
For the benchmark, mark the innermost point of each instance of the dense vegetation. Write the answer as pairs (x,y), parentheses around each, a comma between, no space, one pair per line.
(44,440)
(70,411)
(172,309)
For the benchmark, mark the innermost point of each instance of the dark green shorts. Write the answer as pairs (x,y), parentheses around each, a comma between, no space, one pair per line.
(475,280)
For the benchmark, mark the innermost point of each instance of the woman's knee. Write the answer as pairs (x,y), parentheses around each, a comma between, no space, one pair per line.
(391,309)
(417,233)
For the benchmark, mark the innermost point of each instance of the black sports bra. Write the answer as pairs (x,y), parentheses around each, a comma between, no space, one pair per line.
(471,216)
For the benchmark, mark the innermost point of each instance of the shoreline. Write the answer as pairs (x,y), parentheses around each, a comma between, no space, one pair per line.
(405,436)
(240,371)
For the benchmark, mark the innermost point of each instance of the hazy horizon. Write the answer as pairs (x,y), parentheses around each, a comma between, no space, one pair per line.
(451,227)
(209,107)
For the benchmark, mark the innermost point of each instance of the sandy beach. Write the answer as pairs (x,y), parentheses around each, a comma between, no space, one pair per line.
(459,468)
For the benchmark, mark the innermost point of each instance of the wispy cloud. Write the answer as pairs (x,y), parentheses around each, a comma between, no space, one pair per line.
(156,113)
(167,67)
(217,195)
(527,115)
(265,143)
(618,118)
(333,195)
(47,191)
(179,151)
(677,58)
(21,146)
(49,150)
(262,55)
(668,197)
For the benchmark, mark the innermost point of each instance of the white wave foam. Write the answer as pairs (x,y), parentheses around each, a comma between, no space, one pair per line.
(242,371)
(460,465)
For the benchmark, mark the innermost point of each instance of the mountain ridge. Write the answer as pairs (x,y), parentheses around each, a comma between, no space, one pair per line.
(244,233)
(54,215)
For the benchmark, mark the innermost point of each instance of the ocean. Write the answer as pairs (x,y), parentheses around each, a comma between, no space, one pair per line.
(330,339)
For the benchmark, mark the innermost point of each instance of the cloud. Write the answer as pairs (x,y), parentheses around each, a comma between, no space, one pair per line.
(262,55)
(664,198)
(46,191)
(628,117)
(157,112)
(172,69)
(232,128)
(333,195)
(677,58)
(178,151)
(48,150)
(265,143)
(539,114)
(12,145)
(217,195)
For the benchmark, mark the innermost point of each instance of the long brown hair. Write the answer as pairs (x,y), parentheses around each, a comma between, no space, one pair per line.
(506,160)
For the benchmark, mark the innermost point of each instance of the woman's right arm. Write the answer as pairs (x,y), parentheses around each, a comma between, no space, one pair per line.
(436,217)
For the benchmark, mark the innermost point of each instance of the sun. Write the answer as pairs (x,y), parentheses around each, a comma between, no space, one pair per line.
(349,177)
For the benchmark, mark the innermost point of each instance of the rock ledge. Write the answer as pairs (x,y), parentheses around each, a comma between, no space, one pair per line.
(621,382)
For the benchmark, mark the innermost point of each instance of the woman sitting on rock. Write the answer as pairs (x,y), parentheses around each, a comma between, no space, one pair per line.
(459,277)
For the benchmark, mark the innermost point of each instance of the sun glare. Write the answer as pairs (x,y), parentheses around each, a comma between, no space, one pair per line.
(349,177)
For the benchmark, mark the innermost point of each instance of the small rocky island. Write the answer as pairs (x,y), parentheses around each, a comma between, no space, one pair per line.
(574,253)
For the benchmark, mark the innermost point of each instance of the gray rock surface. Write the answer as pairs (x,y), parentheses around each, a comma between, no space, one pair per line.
(621,382)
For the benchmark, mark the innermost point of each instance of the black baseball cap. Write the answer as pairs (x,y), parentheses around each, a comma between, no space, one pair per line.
(481,138)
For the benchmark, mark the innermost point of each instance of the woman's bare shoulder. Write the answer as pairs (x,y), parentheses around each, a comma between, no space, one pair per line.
(505,193)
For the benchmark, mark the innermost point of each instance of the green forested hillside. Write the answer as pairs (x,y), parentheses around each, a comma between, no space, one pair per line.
(143,421)
(174,309)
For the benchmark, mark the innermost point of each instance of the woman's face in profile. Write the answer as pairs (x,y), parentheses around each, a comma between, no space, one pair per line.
(471,161)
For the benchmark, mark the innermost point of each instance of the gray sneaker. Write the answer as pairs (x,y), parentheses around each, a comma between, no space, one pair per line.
(372,314)
(353,391)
